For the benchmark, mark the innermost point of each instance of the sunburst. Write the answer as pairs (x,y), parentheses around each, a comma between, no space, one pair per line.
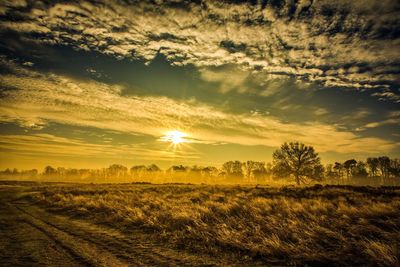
(175,137)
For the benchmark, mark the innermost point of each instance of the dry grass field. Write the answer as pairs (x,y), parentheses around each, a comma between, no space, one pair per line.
(319,225)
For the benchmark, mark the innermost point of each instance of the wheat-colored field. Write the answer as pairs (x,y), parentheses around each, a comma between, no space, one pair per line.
(336,225)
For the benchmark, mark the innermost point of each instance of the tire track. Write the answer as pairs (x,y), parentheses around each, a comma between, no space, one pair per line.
(83,251)
(105,247)
(76,256)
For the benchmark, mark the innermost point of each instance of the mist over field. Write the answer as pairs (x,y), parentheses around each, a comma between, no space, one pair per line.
(293,163)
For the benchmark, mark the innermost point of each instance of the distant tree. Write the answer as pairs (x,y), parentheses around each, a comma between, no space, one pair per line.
(384,166)
(318,172)
(222,174)
(330,172)
(7,171)
(298,160)
(61,171)
(86,173)
(48,170)
(339,169)
(373,164)
(259,172)
(178,168)
(209,171)
(31,173)
(247,167)
(178,173)
(138,171)
(254,171)
(268,168)
(349,166)
(153,168)
(137,168)
(360,170)
(334,172)
(233,170)
(117,171)
(195,170)
(395,168)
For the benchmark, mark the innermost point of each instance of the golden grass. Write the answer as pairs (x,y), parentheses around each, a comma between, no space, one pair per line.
(337,225)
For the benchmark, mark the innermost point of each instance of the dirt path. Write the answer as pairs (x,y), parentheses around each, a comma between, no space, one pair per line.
(30,236)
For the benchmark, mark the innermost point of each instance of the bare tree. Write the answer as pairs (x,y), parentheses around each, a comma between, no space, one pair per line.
(117,171)
(373,164)
(254,170)
(233,170)
(298,160)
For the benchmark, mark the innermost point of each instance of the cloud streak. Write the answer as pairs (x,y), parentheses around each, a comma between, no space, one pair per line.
(36,99)
(45,144)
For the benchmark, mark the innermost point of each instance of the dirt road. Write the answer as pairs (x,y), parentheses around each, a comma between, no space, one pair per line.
(30,236)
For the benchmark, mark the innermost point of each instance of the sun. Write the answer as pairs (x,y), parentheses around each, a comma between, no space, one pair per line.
(175,137)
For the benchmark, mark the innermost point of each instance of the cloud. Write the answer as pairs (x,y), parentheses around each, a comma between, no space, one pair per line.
(48,144)
(35,99)
(228,79)
(387,96)
(391,118)
(338,44)
(381,123)
(320,111)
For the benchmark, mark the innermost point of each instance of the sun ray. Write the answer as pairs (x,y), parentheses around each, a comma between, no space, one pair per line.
(175,137)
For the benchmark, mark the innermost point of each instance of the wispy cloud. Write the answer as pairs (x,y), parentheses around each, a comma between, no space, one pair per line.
(391,118)
(48,144)
(227,79)
(40,98)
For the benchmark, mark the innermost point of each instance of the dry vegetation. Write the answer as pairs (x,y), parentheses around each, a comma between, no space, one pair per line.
(335,225)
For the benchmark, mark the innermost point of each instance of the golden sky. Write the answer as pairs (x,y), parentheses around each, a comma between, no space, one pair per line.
(88,84)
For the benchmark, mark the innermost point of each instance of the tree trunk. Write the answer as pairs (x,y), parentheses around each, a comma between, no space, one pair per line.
(297,179)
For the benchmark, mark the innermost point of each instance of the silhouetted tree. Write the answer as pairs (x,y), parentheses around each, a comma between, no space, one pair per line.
(360,170)
(48,170)
(395,168)
(209,171)
(298,160)
(153,168)
(384,166)
(339,169)
(373,164)
(349,165)
(330,172)
(178,168)
(7,172)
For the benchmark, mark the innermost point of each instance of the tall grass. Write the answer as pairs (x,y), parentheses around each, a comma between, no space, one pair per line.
(316,225)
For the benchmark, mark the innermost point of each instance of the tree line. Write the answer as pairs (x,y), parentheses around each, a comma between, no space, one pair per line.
(292,162)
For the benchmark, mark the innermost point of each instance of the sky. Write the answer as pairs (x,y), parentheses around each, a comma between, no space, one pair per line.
(86,84)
